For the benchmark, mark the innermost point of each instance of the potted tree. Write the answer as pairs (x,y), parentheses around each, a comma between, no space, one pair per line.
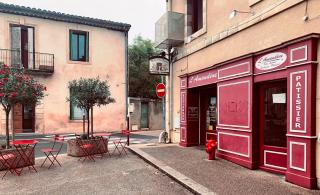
(86,93)
(17,88)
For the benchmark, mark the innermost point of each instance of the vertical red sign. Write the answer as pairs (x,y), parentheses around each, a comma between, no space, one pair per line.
(298,104)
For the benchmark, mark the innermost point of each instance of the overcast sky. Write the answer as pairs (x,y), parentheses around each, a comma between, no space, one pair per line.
(141,14)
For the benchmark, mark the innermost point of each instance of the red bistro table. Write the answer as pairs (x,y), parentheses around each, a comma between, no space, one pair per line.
(22,147)
(100,142)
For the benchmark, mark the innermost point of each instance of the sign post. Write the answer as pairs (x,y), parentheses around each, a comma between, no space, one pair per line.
(159,65)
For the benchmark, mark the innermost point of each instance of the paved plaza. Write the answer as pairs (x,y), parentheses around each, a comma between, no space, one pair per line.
(191,167)
(109,175)
(179,171)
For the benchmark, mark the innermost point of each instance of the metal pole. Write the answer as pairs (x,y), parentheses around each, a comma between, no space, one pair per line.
(127,81)
(84,123)
(92,121)
(169,95)
(163,108)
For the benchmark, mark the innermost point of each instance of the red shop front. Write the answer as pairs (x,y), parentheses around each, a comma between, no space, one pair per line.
(260,108)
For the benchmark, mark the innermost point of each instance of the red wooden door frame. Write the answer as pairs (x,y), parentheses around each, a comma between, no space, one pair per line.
(263,148)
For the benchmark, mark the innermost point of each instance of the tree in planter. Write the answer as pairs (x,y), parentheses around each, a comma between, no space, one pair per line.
(86,93)
(17,88)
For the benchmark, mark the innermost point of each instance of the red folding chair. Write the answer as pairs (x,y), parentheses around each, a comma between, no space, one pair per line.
(9,162)
(102,144)
(86,148)
(121,143)
(53,152)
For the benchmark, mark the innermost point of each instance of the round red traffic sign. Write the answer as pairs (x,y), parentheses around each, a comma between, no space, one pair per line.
(161,90)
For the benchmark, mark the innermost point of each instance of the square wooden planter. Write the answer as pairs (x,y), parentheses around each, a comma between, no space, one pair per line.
(21,163)
(74,150)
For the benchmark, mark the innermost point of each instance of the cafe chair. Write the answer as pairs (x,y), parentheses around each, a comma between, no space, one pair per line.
(86,148)
(9,162)
(121,143)
(53,152)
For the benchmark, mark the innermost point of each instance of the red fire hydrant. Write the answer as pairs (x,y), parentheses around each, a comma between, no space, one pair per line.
(211,147)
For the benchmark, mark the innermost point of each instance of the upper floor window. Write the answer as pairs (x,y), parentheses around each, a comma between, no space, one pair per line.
(79,45)
(22,46)
(197,15)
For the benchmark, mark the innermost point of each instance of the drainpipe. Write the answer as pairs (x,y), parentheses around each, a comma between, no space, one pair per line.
(171,56)
(169,5)
(169,98)
(127,79)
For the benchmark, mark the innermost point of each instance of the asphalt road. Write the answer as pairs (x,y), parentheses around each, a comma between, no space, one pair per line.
(45,140)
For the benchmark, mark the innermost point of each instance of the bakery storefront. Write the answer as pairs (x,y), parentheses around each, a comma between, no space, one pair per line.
(259,107)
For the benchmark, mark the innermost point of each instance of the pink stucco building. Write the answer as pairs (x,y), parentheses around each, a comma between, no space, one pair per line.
(56,48)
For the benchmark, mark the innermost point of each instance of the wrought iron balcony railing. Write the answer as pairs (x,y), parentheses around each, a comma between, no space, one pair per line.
(32,62)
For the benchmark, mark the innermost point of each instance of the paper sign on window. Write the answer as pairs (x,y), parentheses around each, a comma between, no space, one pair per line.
(279,98)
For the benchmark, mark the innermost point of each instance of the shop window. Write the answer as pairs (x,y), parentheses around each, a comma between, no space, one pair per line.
(79,46)
(211,119)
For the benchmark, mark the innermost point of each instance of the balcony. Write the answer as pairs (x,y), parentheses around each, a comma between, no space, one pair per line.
(33,62)
(169,30)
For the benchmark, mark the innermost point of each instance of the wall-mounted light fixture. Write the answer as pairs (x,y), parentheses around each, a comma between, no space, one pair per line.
(234,13)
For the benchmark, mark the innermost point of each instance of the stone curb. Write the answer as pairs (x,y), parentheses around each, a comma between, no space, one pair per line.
(185,181)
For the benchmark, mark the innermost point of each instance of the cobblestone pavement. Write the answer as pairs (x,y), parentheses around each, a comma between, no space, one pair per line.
(109,175)
(220,176)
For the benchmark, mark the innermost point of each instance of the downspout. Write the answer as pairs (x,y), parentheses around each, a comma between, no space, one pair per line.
(170,116)
(171,97)
(127,79)
(169,5)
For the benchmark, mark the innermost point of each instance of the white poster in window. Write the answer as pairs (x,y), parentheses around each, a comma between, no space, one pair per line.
(279,98)
(177,122)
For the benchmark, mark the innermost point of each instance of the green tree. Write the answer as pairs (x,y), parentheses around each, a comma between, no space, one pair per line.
(17,88)
(141,83)
(87,93)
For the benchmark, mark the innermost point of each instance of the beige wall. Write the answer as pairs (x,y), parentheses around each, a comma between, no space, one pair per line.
(177,5)
(107,60)
(267,28)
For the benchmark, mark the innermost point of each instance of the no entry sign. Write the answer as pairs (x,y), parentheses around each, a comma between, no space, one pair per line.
(161,90)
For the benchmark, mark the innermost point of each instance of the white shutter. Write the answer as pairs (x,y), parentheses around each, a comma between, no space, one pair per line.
(16,46)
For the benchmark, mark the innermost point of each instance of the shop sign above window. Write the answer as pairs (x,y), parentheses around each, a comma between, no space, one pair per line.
(271,61)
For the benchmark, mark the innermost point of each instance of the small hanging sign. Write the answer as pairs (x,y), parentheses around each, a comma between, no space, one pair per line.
(159,65)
